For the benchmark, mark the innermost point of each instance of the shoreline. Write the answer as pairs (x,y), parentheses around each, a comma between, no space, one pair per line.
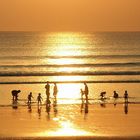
(44,104)
(23,102)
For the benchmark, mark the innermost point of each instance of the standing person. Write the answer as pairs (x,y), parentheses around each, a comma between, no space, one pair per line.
(126,96)
(30,98)
(47,90)
(39,99)
(55,90)
(86,92)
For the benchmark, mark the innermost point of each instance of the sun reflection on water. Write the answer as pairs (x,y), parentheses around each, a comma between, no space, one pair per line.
(66,46)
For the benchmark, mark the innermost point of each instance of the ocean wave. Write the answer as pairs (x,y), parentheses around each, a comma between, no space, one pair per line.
(69,82)
(70,56)
(74,65)
(96,73)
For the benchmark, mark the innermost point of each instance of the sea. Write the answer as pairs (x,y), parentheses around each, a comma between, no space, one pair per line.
(106,61)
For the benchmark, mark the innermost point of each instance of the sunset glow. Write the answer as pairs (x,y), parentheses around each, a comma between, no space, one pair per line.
(70,69)
(62,15)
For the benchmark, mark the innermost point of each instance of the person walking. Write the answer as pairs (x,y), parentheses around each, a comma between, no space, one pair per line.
(30,98)
(39,99)
(86,91)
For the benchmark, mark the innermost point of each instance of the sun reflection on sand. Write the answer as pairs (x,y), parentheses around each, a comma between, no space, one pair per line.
(66,128)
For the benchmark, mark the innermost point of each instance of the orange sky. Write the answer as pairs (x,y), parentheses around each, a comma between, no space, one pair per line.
(70,15)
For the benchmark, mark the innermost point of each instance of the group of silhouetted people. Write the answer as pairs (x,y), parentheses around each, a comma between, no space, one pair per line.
(115,95)
(84,95)
(39,97)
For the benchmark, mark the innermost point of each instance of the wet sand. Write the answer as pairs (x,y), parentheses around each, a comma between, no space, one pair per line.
(104,121)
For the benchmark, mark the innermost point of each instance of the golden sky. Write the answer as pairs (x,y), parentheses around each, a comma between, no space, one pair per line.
(70,15)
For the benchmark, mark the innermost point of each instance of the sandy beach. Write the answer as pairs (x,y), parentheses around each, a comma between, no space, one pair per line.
(71,122)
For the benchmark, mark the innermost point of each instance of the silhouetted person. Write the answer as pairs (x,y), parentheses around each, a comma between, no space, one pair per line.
(39,99)
(55,90)
(102,94)
(84,105)
(86,91)
(126,96)
(15,94)
(47,90)
(30,98)
(82,93)
(115,95)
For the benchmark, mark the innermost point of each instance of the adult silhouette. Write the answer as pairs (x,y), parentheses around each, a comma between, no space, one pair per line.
(55,90)
(126,96)
(86,91)
(47,90)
